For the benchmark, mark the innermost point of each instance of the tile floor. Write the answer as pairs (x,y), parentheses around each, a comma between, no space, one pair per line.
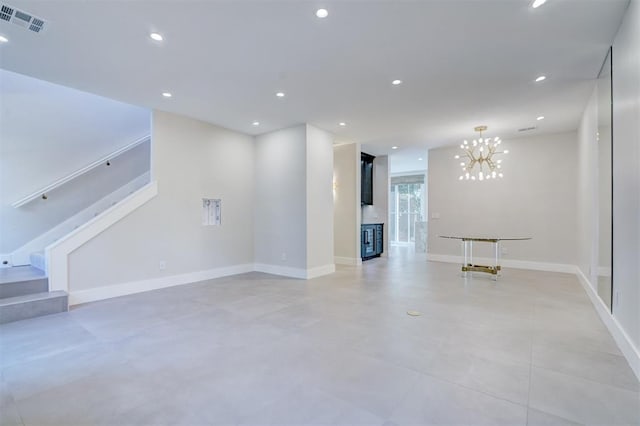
(260,349)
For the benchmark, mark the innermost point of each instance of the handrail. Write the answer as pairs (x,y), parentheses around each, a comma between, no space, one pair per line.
(41,192)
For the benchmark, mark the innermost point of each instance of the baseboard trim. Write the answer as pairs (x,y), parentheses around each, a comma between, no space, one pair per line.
(116,290)
(123,289)
(302,274)
(507,263)
(319,271)
(284,271)
(352,261)
(621,338)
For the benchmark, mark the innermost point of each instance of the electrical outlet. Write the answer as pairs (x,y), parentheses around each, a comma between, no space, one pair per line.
(162,265)
(284,257)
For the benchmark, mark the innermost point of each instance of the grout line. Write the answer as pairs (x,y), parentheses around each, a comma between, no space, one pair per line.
(573,376)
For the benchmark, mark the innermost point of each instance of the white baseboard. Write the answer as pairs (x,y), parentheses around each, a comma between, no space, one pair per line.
(123,289)
(281,270)
(303,274)
(353,261)
(622,339)
(508,263)
(319,271)
(107,292)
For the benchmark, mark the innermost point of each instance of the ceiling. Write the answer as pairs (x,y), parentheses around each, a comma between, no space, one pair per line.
(462,62)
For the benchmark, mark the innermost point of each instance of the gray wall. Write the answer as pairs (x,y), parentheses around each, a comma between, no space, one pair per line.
(536,198)
(587,195)
(626,174)
(20,225)
(191,160)
(40,142)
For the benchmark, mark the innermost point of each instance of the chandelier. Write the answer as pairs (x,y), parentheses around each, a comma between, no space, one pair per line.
(480,163)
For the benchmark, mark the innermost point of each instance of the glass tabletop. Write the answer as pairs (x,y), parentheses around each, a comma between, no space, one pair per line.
(484,238)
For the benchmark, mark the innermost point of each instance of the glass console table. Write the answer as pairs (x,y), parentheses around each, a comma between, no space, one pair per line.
(467,252)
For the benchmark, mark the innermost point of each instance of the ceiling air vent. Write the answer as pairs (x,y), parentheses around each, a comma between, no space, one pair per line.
(527,129)
(22,18)
(6,13)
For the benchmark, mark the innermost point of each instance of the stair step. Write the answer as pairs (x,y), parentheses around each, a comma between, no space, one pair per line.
(33,305)
(20,273)
(21,288)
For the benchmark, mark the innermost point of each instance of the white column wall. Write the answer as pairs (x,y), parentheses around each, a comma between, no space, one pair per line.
(319,200)
(346,199)
(293,202)
(280,198)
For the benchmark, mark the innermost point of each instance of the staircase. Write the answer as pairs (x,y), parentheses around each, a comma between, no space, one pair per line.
(24,293)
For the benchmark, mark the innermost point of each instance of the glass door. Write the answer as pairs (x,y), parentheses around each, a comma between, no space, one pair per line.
(406,204)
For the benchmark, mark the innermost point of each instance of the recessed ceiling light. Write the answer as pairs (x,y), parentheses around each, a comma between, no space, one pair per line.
(342,123)
(3,39)
(166,94)
(256,123)
(394,147)
(322,13)
(280,94)
(420,159)
(156,36)
(540,118)
(537,3)
(541,78)
(396,82)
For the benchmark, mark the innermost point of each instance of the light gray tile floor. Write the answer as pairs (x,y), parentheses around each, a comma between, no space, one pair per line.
(257,349)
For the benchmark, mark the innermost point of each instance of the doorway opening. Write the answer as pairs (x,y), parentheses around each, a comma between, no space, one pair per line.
(407,206)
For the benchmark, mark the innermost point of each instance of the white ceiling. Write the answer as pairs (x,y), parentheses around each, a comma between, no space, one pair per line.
(463,62)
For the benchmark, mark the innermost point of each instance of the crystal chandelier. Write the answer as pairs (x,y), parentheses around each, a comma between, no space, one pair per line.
(480,163)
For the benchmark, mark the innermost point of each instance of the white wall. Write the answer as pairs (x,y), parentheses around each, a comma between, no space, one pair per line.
(587,195)
(536,198)
(280,198)
(319,198)
(626,174)
(379,211)
(346,203)
(41,142)
(191,160)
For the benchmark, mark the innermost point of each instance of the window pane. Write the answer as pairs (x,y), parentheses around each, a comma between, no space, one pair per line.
(403,213)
